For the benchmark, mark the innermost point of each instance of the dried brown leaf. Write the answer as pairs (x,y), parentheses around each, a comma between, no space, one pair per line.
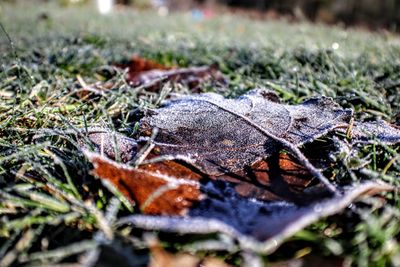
(279,177)
(148,73)
(153,187)
(139,64)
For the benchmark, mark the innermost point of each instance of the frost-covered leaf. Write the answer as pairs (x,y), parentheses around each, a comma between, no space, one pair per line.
(225,135)
(238,140)
(219,163)
(258,226)
(375,130)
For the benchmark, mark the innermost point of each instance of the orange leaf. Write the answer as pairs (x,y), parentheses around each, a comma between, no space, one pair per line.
(154,187)
(280,177)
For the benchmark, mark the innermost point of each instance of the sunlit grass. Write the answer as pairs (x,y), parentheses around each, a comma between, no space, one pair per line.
(52,209)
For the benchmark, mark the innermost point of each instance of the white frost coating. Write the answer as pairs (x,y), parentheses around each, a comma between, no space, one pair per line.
(224,141)
(309,215)
(378,130)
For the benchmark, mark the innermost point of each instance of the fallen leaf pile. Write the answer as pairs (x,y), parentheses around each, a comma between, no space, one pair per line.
(204,163)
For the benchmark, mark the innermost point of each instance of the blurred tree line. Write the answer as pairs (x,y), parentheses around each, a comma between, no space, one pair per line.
(375,13)
(371,13)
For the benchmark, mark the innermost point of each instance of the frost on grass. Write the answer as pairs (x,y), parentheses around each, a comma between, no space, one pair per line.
(234,165)
(111,143)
